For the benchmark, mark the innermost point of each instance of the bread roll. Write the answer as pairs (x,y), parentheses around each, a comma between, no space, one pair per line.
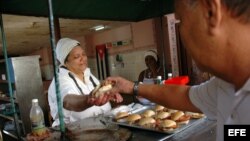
(101,89)
(180,117)
(148,113)
(163,115)
(168,125)
(147,122)
(121,115)
(133,118)
(159,108)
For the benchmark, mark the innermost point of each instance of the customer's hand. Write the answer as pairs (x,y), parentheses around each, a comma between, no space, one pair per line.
(120,85)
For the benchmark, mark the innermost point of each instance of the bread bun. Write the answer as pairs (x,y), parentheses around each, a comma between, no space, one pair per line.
(175,116)
(195,115)
(148,113)
(163,115)
(183,121)
(168,125)
(180,117)
(133,118)
(172,111)
(147,122)
(101,89)
(121,115)
(96,89)
(105,88)
(159,108)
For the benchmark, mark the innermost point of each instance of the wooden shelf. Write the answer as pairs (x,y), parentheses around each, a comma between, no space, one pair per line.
(11,134)
(7,99)
(3,81)
(2,61)
(9,118)
(20,70)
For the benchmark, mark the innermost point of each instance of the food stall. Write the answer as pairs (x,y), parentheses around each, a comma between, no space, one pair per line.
(129,11)
(109,127)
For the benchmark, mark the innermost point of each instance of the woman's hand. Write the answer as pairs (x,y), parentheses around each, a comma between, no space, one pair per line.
(104,98)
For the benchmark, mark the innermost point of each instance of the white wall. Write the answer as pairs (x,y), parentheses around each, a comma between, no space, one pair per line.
(133,64)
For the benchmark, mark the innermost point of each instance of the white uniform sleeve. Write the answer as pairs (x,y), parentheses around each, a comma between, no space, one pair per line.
(204,97)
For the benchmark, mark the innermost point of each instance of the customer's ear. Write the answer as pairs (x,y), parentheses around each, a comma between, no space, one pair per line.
(213,14)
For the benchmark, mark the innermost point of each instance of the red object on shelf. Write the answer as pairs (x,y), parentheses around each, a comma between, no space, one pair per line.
(180,80)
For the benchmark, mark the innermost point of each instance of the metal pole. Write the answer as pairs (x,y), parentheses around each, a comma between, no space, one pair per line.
(8,78)
(162,42)
(163,50)
(53,44)
(97,60)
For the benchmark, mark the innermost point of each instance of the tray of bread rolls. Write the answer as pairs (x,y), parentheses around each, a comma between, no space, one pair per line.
(157,118)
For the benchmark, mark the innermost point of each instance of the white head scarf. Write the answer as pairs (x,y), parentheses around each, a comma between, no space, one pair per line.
(63,48)
(152,53)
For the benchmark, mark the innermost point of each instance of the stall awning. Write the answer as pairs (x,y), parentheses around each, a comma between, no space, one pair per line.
(116,10)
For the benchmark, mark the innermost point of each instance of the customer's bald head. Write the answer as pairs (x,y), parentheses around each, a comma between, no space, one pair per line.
(216,32)
(237,8)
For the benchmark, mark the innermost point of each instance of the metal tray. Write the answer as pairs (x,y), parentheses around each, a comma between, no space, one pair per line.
(139,111)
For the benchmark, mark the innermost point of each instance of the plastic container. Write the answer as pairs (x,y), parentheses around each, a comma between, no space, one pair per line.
(170,75)
(37,119)
(158,80)
(180,80)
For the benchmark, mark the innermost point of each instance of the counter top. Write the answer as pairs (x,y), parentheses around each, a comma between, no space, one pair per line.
(203,129)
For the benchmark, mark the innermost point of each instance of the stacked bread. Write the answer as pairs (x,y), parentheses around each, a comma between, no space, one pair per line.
(157,118)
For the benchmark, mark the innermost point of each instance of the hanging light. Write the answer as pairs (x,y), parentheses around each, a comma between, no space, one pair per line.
(98,27)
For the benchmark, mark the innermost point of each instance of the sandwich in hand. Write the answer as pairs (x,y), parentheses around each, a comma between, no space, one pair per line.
(100,95)
(101,89)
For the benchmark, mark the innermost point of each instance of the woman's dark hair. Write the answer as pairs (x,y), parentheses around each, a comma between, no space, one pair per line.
(66,59)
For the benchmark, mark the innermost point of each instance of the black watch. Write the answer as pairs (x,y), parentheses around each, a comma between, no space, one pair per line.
(135,88)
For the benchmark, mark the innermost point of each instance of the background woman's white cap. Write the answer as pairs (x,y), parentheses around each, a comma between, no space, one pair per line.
(63,48)
(151,53)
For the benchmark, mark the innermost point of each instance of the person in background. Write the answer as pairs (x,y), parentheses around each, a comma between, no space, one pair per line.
(149,75)
(153,70)
(76,84)
(216,34)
